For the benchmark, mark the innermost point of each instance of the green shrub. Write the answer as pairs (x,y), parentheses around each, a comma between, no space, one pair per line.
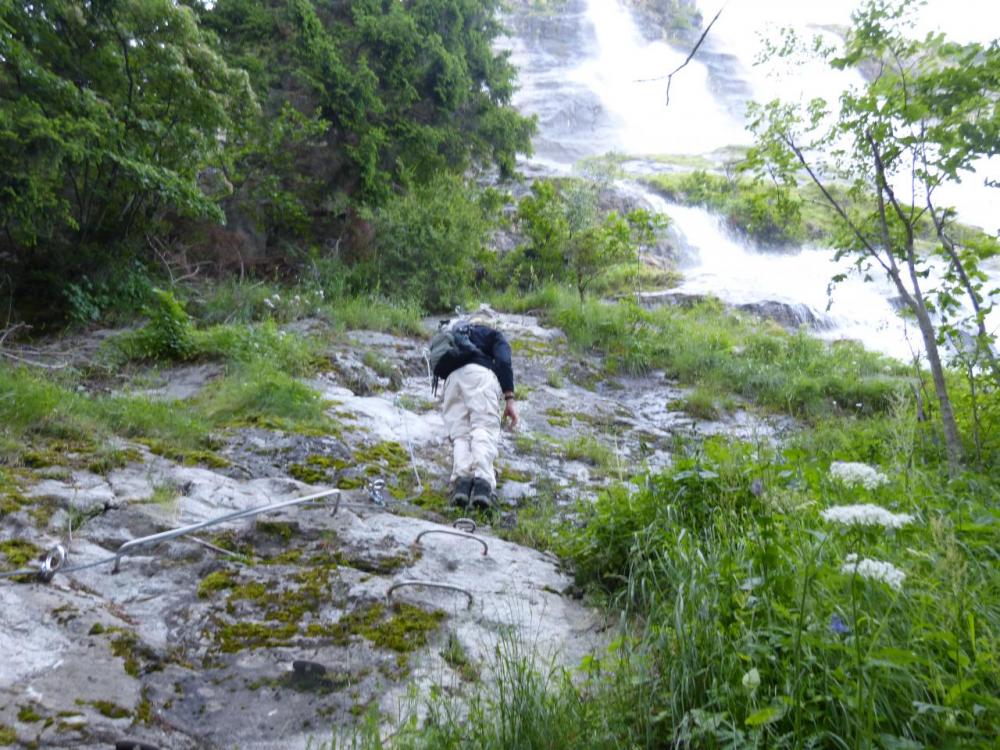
(426,243)
(118,293)
(169,334)
(264,341)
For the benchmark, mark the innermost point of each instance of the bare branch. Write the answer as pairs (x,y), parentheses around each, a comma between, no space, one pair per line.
(691,54)
(872,252)
(8,331)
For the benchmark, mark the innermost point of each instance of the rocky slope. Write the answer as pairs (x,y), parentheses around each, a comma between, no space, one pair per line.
(278,631)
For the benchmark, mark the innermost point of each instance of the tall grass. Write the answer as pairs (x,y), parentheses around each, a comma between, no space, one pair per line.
(723,352)
(743,629)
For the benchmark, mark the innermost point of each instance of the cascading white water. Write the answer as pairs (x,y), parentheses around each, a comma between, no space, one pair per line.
(582,72)
(626,71)
(853,309)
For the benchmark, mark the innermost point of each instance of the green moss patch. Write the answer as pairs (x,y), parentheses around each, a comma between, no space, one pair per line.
(283,530)
(19,552)
(308,474)
(188,457)
(138,658)
(509,474)
(218,580)
(28,714)
(229,540)
(107,708)
(406,629)
(40,459)
(233,637)
(316,469)
(258,606)
(432,500)
(389,454)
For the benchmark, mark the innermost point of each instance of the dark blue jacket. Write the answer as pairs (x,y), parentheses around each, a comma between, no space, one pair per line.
(493,354)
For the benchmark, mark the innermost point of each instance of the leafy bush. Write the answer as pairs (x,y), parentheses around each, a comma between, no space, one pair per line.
(567,234)
(426,245)
(168,335)
(120,292)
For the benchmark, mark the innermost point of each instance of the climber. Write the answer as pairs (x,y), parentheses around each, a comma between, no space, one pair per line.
(476,362)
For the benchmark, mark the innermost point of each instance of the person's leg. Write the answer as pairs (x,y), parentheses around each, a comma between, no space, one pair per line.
(455,412)
(485,411)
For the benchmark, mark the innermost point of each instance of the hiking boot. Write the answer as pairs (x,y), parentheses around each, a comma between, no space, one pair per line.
(460,491)
(482,494)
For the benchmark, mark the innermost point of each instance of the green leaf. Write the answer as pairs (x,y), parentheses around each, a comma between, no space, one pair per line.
(765,716)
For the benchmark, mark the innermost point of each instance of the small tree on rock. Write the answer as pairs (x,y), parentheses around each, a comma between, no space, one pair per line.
(928,113)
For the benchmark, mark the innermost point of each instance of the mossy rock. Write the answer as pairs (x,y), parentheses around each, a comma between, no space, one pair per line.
(283,530)
(188,457)
(404,630)
(28,714)
(389,454)
(107,708)
(238,636)
(41,459)
(138,658)
(308,474)
(19,552)
(509,474)
(219,580)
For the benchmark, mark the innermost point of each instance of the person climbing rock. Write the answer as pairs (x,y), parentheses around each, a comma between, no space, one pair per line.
(474,358)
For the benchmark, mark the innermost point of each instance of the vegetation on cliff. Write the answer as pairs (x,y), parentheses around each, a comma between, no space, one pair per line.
(835,587)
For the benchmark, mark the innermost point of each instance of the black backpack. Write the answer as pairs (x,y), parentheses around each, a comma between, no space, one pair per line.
(449,347)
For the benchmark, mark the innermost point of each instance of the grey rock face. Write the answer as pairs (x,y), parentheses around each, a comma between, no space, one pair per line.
(194,646)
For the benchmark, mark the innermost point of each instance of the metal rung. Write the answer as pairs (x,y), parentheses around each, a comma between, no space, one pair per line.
(430,584)
(470,525)
(450,532)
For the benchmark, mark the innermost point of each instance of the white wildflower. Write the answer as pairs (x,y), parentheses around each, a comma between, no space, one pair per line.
(751,680)
(866,515)
(853,474)
(268,303)
(874,570)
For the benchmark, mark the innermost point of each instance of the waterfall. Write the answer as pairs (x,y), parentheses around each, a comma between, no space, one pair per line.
(584,71)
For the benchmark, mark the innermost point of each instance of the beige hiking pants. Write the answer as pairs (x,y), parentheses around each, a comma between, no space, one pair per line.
(471,411)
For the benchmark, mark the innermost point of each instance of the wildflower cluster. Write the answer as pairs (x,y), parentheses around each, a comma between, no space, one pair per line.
(866,515)
(874,570)
(296,305)
(854,474)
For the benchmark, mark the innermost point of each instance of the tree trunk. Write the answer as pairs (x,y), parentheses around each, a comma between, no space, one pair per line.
(952,441)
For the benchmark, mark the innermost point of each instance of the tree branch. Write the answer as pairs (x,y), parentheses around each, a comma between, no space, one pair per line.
(835,204)
(691,54)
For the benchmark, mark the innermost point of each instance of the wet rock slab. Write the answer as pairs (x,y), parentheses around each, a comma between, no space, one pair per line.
(194,649)
(195,646)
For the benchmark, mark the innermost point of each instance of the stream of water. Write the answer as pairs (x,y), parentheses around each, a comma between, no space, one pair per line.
(584,71)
